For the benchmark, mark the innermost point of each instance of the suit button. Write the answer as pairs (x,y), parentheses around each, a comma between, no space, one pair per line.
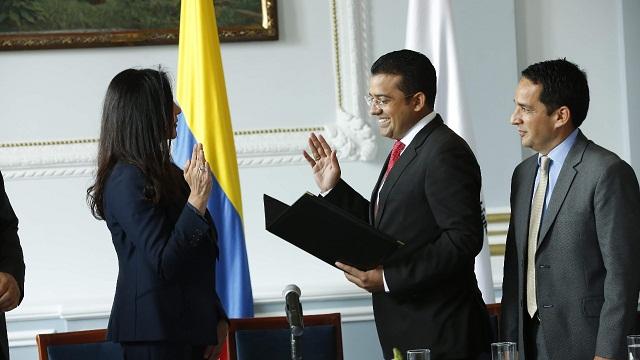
(547,306)
(544,266)
(196,237)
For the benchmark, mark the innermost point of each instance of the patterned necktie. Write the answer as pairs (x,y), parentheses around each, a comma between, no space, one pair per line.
(537,207)
(395,155)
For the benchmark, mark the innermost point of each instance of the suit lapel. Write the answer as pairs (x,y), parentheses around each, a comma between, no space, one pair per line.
(374,194)
(405,159)
(563,184)
(523,200)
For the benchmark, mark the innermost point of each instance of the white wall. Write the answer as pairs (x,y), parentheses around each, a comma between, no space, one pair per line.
(487,52)
(56,95)
(588,33)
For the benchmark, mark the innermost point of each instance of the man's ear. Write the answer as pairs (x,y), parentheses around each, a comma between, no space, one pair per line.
(563,117)
(419,101)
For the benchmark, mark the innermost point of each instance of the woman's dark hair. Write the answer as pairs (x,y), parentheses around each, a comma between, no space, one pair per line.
(137,118)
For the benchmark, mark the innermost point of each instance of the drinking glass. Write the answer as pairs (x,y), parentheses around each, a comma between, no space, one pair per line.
(419,354)
(504,351)
(633,344)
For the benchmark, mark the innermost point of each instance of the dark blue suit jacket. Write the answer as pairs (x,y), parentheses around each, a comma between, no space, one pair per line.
(166,257)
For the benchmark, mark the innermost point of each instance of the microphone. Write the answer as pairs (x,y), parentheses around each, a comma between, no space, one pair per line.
(293,308)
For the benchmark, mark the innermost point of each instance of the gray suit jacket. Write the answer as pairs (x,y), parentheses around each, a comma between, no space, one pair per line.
(587,277)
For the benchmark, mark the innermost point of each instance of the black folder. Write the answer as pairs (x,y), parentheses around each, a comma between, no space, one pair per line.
(328,232)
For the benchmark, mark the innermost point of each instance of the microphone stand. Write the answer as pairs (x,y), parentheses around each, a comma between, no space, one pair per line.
(296,352)
(293,309)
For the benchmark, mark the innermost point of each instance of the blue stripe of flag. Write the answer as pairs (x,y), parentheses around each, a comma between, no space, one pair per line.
(233,282)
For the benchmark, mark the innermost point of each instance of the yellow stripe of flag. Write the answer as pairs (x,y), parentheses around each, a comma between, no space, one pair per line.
(203,96)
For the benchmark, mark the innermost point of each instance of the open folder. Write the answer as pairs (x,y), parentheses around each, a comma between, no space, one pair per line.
(328,232)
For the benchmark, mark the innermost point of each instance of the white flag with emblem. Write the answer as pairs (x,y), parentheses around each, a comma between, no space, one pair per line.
(430,31)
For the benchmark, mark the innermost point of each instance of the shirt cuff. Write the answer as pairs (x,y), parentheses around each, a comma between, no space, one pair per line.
(325,193)
(193,208)
(384,280)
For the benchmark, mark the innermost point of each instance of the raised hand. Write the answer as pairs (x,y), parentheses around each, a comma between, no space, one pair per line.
(324,162)
(198,176)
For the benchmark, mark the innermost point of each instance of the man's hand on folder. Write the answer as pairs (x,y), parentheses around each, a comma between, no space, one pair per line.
(324,163)
(369,280)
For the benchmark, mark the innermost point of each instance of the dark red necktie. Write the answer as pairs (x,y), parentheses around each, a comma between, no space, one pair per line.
(395,155)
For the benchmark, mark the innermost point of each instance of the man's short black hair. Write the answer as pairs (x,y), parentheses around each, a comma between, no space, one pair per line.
(415,69)
(563,84)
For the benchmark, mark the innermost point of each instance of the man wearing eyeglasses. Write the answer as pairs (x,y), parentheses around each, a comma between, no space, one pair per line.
(425,295)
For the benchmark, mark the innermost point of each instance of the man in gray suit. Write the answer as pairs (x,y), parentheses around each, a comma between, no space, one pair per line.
(571,278)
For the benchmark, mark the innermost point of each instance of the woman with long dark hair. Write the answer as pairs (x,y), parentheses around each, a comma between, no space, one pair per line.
(165,304)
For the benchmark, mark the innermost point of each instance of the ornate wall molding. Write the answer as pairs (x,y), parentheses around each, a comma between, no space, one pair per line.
(349,132)
(67,158)
(26,338)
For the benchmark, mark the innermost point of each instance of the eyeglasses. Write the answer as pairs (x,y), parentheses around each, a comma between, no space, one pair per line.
(381,103)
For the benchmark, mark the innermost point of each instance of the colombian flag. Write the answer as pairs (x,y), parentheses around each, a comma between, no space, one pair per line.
(205,118)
